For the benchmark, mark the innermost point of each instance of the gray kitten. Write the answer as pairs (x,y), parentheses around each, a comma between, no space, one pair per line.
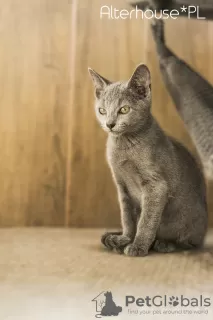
(205,7)
(161,189)
(192,95)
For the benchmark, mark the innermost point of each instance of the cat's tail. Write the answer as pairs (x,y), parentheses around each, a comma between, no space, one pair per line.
(157,27)
(192,95)
(156,5)
(158,31)
(142,5)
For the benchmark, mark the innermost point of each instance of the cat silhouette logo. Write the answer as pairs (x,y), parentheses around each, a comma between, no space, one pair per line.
(105,305)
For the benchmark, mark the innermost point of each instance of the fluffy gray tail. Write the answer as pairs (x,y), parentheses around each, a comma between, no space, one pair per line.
(159,37)
(155,4)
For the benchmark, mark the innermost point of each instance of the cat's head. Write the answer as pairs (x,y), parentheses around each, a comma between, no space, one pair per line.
(123,107)
(108,294)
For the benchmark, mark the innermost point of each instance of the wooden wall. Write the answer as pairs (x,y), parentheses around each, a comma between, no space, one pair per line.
(52,165)
(34,93)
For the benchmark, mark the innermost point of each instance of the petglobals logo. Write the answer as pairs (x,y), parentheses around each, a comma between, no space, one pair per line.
(105,305)
(165,301)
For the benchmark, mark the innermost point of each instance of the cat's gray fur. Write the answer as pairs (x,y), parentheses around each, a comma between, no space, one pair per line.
(160,186)
(205,6)
(192,95)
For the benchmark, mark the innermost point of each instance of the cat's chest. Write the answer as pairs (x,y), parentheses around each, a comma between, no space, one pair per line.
(129,168)
(132,177)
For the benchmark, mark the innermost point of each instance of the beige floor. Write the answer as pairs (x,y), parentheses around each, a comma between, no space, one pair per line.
(55,273)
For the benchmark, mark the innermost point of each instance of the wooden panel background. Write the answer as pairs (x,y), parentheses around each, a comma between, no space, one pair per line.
(34,91)
(52,165)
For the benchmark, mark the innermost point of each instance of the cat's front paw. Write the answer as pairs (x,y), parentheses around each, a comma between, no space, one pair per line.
(115,241)
(135,250)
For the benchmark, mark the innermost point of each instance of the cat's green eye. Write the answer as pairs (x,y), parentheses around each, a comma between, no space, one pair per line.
(102,111)
(124,110)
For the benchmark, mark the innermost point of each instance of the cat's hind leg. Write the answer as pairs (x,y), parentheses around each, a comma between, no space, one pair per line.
(192,242)
(164,246)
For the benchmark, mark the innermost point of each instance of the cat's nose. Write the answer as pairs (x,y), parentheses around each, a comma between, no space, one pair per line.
(110,125)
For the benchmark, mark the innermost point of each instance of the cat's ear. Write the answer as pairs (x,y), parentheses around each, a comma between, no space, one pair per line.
(99,82)
(140,81)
